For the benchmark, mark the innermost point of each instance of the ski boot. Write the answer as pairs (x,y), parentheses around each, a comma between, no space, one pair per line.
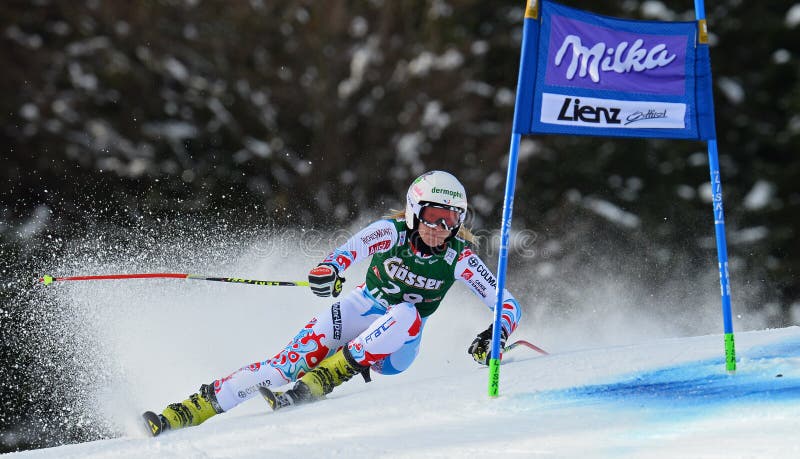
(193,411)
(317,383)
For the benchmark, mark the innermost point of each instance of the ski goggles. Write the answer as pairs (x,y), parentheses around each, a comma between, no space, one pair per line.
(440,217)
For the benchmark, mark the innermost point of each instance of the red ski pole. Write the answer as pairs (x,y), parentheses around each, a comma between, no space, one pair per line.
(47,280)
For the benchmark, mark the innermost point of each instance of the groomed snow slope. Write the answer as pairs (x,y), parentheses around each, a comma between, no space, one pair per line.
(667,398)
(629,375)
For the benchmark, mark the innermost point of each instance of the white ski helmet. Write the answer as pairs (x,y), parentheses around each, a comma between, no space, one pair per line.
(435,188)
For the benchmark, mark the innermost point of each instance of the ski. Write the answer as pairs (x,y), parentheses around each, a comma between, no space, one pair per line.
(153,423)
(523,343)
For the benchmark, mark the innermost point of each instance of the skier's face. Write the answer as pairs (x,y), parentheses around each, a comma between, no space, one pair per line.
(433,237)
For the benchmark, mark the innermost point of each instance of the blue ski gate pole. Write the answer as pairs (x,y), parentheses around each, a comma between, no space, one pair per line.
(527,64)
(508,208)
(722,255)
(719,214)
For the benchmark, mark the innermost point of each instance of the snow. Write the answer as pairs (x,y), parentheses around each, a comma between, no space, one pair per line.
(793,16)
(81,79)
(749,235)
(760,196)
(732,90)
(426,62)
(409,146)
(611,212)
(615,385)
(36,223)
(657,10)
(658,399)
(362,57)
(176,68)
(666,398)
(781,56)
(434,118)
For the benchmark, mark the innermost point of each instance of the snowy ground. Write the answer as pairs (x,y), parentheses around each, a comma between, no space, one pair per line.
(618,387)
(665,399)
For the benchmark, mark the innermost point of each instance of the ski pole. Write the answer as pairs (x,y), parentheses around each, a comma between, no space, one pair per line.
(47,280)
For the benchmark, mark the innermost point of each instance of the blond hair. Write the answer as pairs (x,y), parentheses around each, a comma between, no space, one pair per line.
(463,232)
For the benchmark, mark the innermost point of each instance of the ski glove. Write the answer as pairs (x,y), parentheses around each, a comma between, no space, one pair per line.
(481,347)
(324,280)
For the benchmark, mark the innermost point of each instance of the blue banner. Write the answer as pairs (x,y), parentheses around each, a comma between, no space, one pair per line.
(586,74)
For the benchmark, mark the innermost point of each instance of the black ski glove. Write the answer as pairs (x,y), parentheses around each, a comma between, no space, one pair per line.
(324,280)
(481,347)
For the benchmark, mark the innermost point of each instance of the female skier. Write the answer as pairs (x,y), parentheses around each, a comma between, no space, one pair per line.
(416,256)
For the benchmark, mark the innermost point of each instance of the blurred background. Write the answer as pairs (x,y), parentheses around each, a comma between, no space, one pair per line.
(128,128)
